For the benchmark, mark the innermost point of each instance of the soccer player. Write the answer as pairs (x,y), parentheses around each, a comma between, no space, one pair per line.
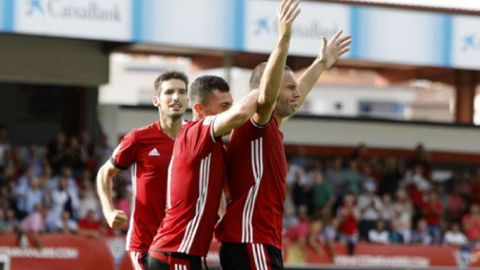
(251,230)
(196,175)
(147,151)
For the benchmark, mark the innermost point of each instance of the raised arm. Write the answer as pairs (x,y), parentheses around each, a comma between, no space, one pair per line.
(238,114)
(115,218)
(271,79)
(331,50)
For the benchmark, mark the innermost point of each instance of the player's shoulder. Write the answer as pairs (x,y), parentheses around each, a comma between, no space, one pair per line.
(152,129)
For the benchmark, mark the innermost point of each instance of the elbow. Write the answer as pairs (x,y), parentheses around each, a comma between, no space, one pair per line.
(241,117)
(265,100)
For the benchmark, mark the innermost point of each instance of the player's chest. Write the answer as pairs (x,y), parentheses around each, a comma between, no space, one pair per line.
(154,156)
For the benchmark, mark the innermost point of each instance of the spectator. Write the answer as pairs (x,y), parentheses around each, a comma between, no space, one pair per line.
(352,178)
(34,224)
(322,195)
(379,235)
(34,159)
(299,190)
(11,223)
(335,176)
(455,236)
(89,225)
(371,208)
(388,212)
(421,235)
(62,200)
(322,234)
(3,221)
(34,194)
(103,151)
(403,215)
(348,215)
(66,224)
(391,176)
(4,145)
(55,152)
(87,198)
(471,224)
(396,235)
(432,211)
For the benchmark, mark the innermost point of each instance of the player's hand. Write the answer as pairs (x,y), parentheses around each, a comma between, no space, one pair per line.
(116,218)
(287,12)
(334,48)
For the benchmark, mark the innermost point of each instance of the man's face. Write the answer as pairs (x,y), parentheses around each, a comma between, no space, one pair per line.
(172,98)
(289,97)
(218,103)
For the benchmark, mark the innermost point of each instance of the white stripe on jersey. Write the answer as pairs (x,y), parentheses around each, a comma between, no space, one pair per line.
(169,184)
(134,198)
(256,148)
(192,227)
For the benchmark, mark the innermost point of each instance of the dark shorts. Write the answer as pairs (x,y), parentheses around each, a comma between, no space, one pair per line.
(244,256)
(173,261)
(139,259)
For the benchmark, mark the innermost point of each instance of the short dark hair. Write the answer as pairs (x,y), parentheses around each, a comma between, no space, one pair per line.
(202,88)
(169,75)
(258,72)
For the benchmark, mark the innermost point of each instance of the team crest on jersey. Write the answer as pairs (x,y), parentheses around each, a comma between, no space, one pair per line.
(154,153)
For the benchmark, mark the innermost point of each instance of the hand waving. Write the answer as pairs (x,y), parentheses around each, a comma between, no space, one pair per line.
(287,12)
(334,48)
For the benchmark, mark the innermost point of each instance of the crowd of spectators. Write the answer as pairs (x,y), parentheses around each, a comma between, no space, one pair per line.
(51,188)
(380,200)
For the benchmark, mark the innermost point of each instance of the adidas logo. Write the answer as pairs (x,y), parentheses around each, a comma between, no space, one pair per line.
(154,153)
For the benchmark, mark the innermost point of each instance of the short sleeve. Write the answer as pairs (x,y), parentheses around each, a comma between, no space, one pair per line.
(124,155)
(200,137)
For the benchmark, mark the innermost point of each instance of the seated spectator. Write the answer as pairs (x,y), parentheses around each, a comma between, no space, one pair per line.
(455,236)
(89,225)
(299,232)
(66,224)
(3,221)
(33,225)
(35,221)
(471,224)
(322,234)
(379,235)
(403,215)
(421,235)
(11,223)
(396,235)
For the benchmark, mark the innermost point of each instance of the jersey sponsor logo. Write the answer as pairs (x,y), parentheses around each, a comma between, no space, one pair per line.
(154,153)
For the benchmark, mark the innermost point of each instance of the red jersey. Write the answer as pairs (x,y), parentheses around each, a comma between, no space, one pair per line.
(148,151)
(194,190)
(256,176)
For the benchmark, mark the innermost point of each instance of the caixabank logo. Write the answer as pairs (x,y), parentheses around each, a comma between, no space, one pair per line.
(471,43)
(311,29)
(89,10)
